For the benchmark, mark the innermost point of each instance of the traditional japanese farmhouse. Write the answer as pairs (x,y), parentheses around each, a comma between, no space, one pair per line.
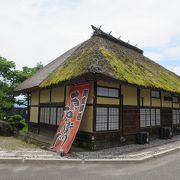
(129,93)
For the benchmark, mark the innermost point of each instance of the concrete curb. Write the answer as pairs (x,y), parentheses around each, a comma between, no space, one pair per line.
(165,152)
(38,160)
(138,158)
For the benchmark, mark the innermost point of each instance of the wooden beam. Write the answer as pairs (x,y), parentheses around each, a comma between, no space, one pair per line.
(28,108)
(39,111)
(94,105)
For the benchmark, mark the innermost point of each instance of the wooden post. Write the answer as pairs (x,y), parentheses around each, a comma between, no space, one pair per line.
(94,105)
(28,109)
(39,113)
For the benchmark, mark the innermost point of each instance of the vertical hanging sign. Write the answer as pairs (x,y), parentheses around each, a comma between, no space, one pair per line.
(70,122)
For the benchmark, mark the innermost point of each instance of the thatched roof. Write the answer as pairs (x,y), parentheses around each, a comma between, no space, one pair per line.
(43,73)
(106,55)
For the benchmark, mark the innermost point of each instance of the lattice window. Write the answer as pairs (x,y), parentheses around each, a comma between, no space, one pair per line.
(176,116)
(107,118)
(153,117)
(101,118)
(155,94)
(142,117)
(107,92)
(46,116)
(175,99)
(50,115)
(53,116)
(158,117)
(113,122)
(149,117)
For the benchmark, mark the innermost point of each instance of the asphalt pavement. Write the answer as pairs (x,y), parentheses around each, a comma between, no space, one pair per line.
(161,168)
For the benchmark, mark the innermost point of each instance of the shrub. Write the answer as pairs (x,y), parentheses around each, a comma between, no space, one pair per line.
(14,118)
(16,121)
(24,130)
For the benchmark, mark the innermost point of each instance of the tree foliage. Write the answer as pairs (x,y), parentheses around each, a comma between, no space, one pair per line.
(9,79)
(6,69)
(26,72)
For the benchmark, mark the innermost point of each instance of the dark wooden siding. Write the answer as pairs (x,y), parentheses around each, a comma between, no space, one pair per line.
(98,140)
(166,117)
(131,120)
(153,131)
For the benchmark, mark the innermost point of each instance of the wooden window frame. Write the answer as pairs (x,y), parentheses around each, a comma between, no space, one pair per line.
(50,106)
(177,112)
(108,107)
(154,96)
(177,99)
(150,110)
(108,89)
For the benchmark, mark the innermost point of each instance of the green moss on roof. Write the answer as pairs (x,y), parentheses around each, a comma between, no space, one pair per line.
(100,55)
(70,69)
(147,74)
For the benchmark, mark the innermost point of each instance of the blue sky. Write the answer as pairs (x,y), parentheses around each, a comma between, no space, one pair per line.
(41,30)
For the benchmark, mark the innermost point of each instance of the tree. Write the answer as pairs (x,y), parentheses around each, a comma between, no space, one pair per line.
(26,72)
(7,69)
(9,79)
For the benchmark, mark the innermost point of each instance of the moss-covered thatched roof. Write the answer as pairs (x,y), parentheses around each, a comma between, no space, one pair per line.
(105,55)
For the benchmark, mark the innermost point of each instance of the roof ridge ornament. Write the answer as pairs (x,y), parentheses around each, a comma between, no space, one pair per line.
(99,32)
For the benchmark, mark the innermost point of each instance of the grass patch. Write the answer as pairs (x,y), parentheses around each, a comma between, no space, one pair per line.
(14,144)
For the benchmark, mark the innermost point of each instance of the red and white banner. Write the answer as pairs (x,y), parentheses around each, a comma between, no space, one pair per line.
(70,122)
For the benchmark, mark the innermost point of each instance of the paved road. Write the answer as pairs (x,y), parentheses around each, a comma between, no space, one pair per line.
(164,168)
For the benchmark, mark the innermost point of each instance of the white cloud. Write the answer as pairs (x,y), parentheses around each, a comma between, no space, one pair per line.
(41,30)
(173,52)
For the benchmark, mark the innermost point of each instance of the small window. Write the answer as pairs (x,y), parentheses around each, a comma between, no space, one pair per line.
(155,94)
(149,117)
(175,99)
(46,117)
(102,91)
(153,117)
(113,93)
(53,116)
(50,115)
(176,116)
(142,117)
(113,119)
(101,118)
(107,118)
(158,117)
(107,92)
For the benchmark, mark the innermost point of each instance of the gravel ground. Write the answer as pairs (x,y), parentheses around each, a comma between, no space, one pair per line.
(155,145)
